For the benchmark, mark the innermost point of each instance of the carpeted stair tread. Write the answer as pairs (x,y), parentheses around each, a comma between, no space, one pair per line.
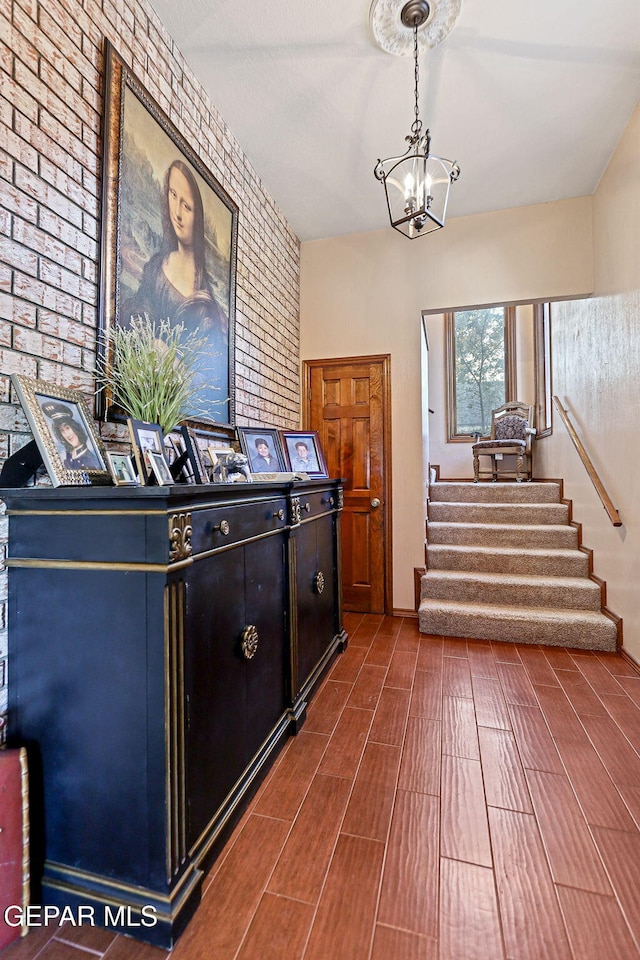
(503,562)
(498,513)
(510,588)
(468,492)
(584,629)
(563,563)
(524,535)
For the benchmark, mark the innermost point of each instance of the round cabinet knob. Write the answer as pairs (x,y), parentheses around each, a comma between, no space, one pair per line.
(375,503)
(279,514)
(249,642)
(223,527)
(307,507)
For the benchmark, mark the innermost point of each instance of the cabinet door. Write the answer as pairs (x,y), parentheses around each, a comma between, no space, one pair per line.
(215,754)
(316,571)
(264,609)
(234,698)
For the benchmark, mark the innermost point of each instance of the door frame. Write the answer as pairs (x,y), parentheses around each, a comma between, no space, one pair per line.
(385,360)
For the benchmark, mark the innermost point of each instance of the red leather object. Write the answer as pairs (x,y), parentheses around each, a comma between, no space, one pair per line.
(14,839)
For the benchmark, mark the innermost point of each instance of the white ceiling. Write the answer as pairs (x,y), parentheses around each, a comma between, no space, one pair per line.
(529,98)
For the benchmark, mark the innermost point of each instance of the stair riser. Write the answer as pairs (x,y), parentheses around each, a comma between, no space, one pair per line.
(495,492)
(441,558)
(548,595)
(577,634)
(550,538)
(544,513)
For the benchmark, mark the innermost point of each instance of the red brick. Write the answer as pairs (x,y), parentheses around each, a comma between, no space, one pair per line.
(21,99)
(36,188)
(55,276)
(17,363)
(18,43)
(65,329)
(36,292)
(15,255)
(37,240)
(16,311)
(46,141)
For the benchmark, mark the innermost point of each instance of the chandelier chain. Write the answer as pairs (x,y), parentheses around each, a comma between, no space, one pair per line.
(416,126)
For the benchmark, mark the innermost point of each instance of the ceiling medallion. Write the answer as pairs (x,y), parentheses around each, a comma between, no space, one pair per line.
(392,34)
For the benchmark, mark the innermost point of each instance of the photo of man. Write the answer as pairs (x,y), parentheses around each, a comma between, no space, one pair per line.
(303,460)
(263,460)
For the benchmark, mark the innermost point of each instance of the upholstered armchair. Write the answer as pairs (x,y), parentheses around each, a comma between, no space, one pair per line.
(512,432)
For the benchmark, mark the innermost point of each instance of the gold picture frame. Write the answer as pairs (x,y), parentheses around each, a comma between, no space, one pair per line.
(149,171)
(64,431)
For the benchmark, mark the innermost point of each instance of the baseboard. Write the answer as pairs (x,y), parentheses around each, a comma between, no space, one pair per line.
(630,660)
(400,612)
(418,574)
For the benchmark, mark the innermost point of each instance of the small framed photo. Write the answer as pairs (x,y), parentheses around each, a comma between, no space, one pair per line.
(262,447)
(194,455)
(64,431)
(158,468)
(146,437)
(303,452)
(122,469)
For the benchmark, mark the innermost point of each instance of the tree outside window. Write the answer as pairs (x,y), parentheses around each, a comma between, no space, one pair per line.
(480,367)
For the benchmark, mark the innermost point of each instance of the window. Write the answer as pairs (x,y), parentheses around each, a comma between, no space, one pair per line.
(481,367)
(542,354)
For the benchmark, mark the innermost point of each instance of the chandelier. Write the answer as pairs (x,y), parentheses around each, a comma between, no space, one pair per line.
(417,182)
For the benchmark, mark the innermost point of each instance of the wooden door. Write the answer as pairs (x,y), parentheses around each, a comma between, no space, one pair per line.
(348,403)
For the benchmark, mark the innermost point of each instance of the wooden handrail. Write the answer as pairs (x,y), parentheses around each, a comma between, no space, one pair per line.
(607,503)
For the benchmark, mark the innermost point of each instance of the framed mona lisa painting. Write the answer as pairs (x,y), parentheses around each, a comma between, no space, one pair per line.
(169,239)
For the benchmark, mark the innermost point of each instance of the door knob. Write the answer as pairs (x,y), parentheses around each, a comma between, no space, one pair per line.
(375,503)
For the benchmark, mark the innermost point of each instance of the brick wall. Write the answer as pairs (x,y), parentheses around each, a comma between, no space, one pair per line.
(51,84)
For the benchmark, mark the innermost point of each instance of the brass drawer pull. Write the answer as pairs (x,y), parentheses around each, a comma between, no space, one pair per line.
(279,514)
(223,527)
(318,582)
(249,639)
(307,507)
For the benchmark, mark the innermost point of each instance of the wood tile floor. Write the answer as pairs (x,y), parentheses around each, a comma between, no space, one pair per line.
(445,800)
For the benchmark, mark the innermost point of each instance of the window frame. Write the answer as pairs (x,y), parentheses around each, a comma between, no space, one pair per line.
(510,365)
(542,369)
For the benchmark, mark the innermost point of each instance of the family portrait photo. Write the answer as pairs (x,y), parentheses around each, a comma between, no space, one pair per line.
(304,453)
(262,448)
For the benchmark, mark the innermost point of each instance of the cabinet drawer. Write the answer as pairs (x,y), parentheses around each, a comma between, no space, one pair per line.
(219,527)
(313,504)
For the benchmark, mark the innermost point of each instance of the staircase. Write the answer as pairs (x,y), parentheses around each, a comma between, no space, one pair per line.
(503,563)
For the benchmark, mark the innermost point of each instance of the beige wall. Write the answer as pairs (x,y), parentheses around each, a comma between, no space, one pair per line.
(596,374)
(364,294)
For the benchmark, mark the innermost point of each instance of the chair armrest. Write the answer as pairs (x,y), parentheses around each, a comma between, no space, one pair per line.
(531,430)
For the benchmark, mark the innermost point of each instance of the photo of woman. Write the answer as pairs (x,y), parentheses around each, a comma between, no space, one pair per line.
(175,284)
(72,441)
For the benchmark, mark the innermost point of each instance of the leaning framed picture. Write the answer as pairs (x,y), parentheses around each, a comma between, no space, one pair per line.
(169,240)
(261,446)
(146,438)
(195,456)
(64,431)
(122,469)
(303,452)
(157,468)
